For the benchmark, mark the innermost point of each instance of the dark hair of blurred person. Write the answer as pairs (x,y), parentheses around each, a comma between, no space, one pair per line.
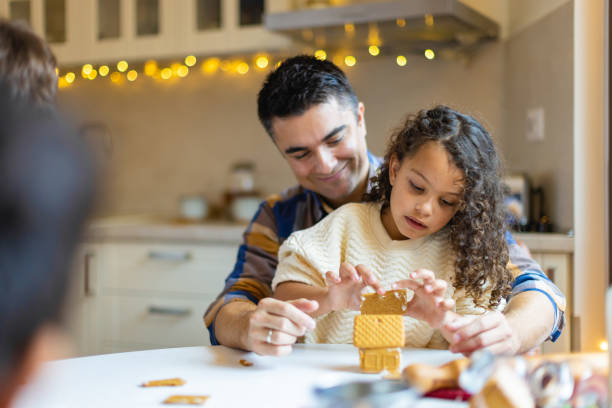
(27,64)
(46,187)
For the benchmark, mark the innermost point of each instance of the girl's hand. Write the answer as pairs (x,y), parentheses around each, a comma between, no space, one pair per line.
(428,303)
(344,289)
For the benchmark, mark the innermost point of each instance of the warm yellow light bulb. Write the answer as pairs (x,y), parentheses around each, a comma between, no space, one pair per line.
(86,70)
(374,50)
(103,70)
(166,73)
(320,54)
(401,60)
(225,65)
(242,68)
(132,75)
(182,71)
(122,66)
(115,77)
(62,83)
(150,68)
(262,62)
(190,60)
(429,20)
(603,345)
(349,28)
(430,54)
(210,66)
(70,77)
(350,61)
(401,22)
(93,74)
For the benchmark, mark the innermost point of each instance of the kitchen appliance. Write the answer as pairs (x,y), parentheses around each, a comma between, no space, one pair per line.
(516,201)
(400,26)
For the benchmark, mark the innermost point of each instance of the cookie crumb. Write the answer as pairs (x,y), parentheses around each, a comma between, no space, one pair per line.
(246,363)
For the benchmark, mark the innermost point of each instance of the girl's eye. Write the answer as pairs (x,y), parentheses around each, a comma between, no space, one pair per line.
(447,203)
(417,188)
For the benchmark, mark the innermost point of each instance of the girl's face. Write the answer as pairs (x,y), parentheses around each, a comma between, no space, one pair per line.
(426,193)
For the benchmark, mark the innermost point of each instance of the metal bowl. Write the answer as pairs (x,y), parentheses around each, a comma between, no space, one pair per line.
(366,394)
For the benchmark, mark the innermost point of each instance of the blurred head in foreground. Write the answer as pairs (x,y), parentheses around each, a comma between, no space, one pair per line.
(46,188)
(27,64)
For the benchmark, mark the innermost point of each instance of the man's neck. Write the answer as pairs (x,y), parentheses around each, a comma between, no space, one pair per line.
(357,194)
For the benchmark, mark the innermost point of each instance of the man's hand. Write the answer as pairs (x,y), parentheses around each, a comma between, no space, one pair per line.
(491,332)
(428,303)
(345,288)
(275,325)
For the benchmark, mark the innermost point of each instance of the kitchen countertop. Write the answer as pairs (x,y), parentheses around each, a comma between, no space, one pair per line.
(113,380)
(155,228)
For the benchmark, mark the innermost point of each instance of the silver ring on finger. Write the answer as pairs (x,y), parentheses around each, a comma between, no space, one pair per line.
(269,337)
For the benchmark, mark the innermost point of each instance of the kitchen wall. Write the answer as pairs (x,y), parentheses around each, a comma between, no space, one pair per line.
(178,138)
(538,72)
(172,139)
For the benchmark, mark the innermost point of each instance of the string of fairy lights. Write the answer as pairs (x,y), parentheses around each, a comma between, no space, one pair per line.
(123,72)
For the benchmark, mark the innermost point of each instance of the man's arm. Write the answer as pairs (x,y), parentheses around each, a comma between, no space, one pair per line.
(534,313)
(243,315)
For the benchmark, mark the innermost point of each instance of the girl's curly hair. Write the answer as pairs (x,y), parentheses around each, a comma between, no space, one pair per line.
(477,231)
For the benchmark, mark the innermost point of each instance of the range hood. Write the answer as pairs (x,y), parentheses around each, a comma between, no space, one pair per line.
(402,26)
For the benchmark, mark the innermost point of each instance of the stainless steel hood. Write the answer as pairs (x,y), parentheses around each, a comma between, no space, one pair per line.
(405,26)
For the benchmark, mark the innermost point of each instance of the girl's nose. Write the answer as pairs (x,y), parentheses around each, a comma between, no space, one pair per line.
(424,207)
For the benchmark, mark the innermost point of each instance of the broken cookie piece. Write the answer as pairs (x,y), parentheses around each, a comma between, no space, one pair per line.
(392,302)
(170,382)
(186,399)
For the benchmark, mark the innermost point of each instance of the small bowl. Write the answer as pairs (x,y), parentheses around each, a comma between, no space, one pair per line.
(367,394)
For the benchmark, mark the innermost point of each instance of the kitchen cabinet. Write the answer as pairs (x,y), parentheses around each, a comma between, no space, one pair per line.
(557,266)
(136,295)
(105,31)
(83,306)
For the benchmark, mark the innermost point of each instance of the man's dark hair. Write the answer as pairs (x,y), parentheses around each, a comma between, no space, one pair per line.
(27,64)
(299,83)
(46,187)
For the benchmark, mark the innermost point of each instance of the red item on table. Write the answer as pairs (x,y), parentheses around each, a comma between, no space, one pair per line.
(455,394)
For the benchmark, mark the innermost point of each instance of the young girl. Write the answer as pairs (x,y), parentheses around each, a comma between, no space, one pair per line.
(433,223)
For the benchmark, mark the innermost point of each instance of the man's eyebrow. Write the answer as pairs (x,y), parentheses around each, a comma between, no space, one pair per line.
(425,178)
(295,149)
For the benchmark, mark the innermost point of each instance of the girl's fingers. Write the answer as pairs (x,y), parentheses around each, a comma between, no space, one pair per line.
(348,272)
(331,278)
(425,274)
(369,278)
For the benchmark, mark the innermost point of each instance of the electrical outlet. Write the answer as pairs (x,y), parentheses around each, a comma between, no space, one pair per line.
(535,124)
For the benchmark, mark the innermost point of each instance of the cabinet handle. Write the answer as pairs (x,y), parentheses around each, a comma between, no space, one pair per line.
(170,256)
(169,311)
(88,287)
(550,272)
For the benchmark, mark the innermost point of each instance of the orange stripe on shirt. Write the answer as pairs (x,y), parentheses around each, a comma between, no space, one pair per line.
(264,242)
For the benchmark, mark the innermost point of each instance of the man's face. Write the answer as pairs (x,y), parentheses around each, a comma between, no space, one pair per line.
(326,149)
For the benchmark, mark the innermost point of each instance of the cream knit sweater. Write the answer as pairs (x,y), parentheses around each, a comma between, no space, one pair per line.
(354,233)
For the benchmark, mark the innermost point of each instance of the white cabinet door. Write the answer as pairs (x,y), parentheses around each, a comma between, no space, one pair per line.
(83,302)
(155,294)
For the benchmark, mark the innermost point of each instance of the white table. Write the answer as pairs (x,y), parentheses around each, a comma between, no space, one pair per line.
(112,380)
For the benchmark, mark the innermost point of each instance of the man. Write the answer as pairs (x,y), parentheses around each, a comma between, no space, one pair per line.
(311,113)
(46,188)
